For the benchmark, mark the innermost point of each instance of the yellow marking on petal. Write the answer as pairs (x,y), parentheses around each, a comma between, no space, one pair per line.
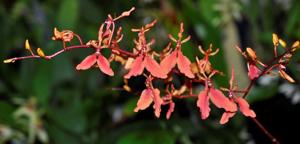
(120,59)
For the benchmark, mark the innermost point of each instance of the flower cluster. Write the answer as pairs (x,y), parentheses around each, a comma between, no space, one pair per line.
(162,65)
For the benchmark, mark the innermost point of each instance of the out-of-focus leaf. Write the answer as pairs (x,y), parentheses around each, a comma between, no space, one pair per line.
(129,106)
(68,13)
(43,82)
(62,69)
(18,9)
(70,116)
(58,136)
(6,111)
(293,19)
(262,93)
(207,10)
(147,137)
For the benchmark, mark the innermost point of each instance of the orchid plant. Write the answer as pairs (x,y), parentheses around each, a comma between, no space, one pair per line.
(162,66)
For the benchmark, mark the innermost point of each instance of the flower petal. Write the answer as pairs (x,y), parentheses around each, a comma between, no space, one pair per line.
(154,68)
(244,107)
(253,71)
(87,63)
(184,64)
(171,109)
(136,68)
(169,62)
(145,100)
(221,101)
(226,116)
(157,102)
(203,103)
(103,64)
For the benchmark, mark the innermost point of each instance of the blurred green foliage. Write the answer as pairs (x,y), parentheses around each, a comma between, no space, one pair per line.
(50,102)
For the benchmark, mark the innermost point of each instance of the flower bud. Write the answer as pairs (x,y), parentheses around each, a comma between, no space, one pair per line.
(275,39)
(40,52)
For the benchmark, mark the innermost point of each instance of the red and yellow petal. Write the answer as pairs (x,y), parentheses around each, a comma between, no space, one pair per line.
(157,102)
(145,100)
(170,110)
(221,101)
(104,65)
(154,68)
(244,107)
(184,64)
(253,71)
(87,63)
(226,116)
(203,103)
(137,67)
(169,62)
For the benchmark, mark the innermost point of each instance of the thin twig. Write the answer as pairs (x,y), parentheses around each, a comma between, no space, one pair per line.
(49,56)
(273,139)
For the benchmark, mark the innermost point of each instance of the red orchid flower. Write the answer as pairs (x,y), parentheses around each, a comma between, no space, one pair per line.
(104,38)
(241,102)
(90,60)
(216,96)
(183,63)
(148,96)
(252,61)
(144,59)
(209,92)
(102,63)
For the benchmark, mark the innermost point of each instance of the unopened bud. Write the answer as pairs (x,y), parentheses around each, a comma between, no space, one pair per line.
(27,45)
(251,53)
(127,88)
(295,46)
(284,75)
(282,43)
(275,39)
(40,52)
(9,60)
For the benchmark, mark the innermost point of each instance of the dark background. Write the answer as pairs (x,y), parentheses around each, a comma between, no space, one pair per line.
(50,102)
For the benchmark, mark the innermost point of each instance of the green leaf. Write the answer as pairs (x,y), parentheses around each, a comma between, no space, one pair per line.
(6,111)
(262,93)
(70,116)
(129,106)
(147,137)
(61,137)
(43,82)
(293,18)
(68,13)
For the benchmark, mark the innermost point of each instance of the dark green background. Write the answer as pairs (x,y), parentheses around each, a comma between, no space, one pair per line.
(81,107)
